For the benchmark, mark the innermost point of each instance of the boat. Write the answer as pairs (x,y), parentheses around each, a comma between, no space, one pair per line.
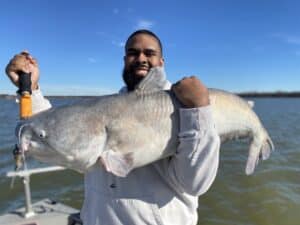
(43,212)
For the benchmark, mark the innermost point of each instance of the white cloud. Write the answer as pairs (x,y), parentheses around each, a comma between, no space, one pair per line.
(258,48)
(111,38)
(130,10)
(291,39)
(116,11)
(144,24)
(118,44)
(92,60)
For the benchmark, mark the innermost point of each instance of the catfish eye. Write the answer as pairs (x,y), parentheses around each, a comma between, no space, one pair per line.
(42,134)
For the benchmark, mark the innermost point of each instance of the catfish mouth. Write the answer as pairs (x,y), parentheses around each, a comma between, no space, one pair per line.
(32,143)
(23,136)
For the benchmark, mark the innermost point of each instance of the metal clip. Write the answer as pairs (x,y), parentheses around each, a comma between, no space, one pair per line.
(18,162)
(18,158)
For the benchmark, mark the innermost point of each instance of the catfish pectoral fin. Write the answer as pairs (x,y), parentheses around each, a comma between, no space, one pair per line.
(117,163)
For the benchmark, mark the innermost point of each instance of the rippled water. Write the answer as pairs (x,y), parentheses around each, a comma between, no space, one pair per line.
(269,197)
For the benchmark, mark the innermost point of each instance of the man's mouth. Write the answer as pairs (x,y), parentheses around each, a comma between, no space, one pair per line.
(141,70)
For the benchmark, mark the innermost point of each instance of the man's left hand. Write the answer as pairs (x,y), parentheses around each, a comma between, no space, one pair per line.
(191,92)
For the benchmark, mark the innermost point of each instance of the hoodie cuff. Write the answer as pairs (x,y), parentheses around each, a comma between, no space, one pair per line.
(39,103)
(199,119)
(37,93)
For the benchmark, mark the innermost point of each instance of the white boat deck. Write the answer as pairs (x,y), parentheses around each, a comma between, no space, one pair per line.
(44,212)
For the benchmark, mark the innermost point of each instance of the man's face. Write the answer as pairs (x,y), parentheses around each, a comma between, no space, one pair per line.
(142,53)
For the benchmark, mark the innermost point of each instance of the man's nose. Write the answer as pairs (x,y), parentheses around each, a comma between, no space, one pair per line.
(141,57)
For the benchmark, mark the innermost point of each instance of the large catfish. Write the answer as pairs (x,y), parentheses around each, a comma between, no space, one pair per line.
(126,131)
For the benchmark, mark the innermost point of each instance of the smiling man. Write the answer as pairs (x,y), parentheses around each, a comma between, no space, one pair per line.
(142,51)
(165,192)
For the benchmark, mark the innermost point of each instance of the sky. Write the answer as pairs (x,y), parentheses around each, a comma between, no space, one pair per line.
(235,45)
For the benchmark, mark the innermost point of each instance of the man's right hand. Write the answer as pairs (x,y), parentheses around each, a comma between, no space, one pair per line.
(191,92)
(23,62)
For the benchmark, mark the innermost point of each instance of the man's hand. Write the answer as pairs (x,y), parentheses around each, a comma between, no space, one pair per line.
(191,92)
(23,62)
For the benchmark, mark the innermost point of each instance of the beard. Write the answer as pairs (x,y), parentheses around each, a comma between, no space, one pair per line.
(131,79)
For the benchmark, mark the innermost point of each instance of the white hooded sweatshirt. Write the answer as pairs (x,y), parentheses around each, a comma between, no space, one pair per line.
(163,193)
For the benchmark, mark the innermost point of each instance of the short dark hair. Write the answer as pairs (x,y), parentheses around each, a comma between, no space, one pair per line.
(148,32)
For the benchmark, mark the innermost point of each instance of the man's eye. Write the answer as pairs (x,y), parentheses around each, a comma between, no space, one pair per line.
(150,53)
(129,53)
(132,53)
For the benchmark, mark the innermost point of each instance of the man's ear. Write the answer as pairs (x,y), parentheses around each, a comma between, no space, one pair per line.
(162,61)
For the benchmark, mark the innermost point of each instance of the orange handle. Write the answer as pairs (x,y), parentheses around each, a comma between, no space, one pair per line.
(25,106)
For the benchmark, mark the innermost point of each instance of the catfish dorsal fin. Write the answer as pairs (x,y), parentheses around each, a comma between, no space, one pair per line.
(155,80)
(251,103)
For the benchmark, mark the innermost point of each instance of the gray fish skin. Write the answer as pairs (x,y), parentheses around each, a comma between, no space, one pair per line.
(132,130)
(136,128)
(235,119)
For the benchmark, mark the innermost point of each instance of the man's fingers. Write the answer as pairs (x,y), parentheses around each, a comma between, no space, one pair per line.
(29,57)
(191,92)
(33,60)
(14,77)
(185,79)
(14,67)
(25,52)
(23,62)
(176,84)
(179,82)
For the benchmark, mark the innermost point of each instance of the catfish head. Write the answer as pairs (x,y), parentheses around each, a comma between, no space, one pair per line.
(63,136)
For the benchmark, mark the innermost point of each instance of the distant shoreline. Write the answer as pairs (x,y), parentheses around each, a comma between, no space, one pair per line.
(270,94)
(242,94)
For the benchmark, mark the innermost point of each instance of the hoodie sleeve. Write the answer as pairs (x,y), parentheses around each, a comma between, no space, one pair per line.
(194,166)
(39,102)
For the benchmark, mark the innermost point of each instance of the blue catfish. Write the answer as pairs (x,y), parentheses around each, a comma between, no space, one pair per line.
(126,131)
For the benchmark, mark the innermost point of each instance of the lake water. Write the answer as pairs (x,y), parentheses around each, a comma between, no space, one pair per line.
(271,196)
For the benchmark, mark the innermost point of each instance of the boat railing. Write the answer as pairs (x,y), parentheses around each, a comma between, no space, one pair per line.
(25,176)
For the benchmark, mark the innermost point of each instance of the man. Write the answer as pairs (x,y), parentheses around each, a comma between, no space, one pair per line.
(165,192)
